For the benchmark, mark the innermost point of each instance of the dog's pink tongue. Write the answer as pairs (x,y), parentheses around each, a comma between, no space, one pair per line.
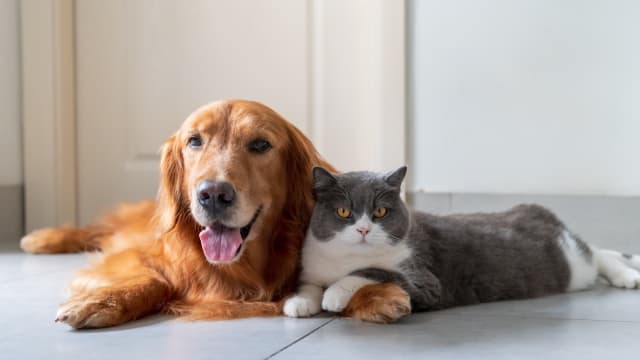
(219,243)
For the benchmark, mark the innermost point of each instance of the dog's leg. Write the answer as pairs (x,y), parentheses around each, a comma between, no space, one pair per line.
(215,309)
(121,288)
(381,303)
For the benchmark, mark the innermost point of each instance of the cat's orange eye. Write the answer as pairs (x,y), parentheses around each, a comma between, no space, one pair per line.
(344,212)
(380,212)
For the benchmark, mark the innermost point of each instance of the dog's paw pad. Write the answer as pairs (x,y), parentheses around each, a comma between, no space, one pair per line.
(87,314)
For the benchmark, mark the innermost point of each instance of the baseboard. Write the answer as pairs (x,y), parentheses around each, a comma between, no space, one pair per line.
(605,221)
(11,214)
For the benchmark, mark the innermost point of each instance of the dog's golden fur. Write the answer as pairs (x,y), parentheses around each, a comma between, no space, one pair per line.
(152,258)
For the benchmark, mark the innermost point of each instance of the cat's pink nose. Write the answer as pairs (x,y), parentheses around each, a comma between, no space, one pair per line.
(363,230)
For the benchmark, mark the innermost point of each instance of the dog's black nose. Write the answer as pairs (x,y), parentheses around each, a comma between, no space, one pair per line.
(216,195)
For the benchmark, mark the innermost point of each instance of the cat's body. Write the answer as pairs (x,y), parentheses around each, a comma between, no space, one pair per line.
(441,261)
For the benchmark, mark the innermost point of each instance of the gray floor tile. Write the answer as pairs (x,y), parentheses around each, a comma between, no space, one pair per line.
(157,337)
(17,266)
(37,289)
(30,299)
(442,336)
(33,286)
(601,303)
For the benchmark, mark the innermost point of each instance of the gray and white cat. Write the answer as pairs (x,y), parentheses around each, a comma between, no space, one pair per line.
(362,233)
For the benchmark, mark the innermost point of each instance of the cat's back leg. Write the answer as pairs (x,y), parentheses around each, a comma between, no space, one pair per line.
(587,262)
(581,260)
(621,270)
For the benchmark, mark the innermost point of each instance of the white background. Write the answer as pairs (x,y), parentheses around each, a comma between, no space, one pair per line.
(535,96)
(508,97)
(334,68)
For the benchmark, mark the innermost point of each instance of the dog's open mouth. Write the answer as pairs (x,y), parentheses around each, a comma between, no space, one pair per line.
(221,243)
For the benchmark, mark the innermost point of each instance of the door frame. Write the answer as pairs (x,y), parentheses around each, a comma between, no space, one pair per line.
(48,112)
(373,33)
(48,94)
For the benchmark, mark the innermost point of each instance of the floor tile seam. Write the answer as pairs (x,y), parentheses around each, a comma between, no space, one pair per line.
(288,346)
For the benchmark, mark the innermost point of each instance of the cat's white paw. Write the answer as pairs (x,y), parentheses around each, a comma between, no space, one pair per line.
(626,279)
(300,306)
(336,298)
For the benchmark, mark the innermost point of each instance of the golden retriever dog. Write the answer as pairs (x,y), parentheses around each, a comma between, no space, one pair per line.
(222,241)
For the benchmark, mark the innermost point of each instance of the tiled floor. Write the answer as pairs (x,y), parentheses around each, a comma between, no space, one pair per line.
(603,323)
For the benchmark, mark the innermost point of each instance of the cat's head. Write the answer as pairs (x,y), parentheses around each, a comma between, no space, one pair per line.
(359,208)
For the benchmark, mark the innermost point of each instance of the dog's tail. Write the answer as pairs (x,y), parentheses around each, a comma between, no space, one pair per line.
(131,218)
(65,239)
(224,309)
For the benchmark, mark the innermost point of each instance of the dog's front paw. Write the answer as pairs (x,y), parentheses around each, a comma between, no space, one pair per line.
(336,298)
(380,303)
(88,312)
(300,306)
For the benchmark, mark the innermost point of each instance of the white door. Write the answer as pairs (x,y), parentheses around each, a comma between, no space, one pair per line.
(335,68)
(143,66)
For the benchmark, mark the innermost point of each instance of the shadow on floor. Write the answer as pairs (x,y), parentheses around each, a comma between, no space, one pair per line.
(140,323)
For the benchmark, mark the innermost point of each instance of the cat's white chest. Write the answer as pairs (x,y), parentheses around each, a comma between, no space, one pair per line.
(324,263)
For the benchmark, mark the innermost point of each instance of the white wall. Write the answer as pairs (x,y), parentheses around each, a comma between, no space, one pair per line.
(532,96)
(10,135)
(357,84)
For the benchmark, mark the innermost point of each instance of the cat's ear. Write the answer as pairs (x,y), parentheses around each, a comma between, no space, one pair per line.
(322,178)
(395,178)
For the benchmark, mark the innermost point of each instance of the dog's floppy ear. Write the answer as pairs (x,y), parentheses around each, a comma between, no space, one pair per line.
(170,198)
(301,158)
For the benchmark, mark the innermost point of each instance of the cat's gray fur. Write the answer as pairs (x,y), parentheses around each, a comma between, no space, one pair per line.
(455,259)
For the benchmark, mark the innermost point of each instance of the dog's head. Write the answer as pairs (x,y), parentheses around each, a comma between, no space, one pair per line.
(239,172)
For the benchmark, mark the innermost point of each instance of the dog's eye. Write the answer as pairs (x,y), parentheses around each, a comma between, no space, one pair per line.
(195,141)
(259,146)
